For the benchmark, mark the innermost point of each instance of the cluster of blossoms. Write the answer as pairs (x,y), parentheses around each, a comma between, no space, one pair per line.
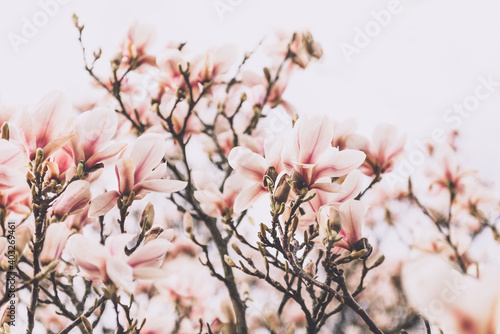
(257,219)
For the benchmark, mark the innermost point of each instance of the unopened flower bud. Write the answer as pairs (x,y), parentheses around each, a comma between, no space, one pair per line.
(148,216)
(362,244)
(282,189)
(237,249)
(272,173)
(188,223)
(379,261)
(5,131)
(298,183)
(229,261)
(153,234)
(358,254)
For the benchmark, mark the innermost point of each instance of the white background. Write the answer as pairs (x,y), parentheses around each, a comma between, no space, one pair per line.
(426,60)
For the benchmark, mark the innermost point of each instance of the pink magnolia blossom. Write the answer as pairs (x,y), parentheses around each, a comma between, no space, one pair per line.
(73,200)
(139,38)
(310,153)
(386,146)
(349,189)
(447,172)
(350,214)
(259,86)
(109,264)
(170,77)
(213,202)
(43,126)
(213,65)
(56,236)
(253,167)
(94,130)
(140,172)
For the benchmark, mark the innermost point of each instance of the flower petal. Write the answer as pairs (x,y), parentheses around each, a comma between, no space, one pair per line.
(159,186)
(248,196)
(351,217)
(147,153)
(150,252)
(334,163)
(121,274)
(103,203)
(251,165)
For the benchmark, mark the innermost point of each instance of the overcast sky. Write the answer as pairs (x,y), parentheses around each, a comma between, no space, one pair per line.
(404,62)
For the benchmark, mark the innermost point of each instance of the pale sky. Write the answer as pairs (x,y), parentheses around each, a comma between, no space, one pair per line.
(409,68)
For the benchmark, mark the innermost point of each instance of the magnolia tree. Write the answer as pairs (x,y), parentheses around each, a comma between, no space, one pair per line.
(193,198)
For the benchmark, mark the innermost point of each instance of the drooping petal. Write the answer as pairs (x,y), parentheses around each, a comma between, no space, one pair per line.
(334,163)
(248,196)
(103,203)
(106,153)
(56,144)
(150,252)
(350,188)
(159,186)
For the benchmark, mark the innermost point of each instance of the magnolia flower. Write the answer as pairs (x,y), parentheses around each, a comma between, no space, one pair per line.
(447,174)
(213,65)
(349,189)
(55,240)
(258,89)
(139,38)
(170,77)
(213,202)
(310,154)
(109,263)
(253,167)
(139,173)
(382,152)
(94,130)
(350,214)
(74,198)
(43,125)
